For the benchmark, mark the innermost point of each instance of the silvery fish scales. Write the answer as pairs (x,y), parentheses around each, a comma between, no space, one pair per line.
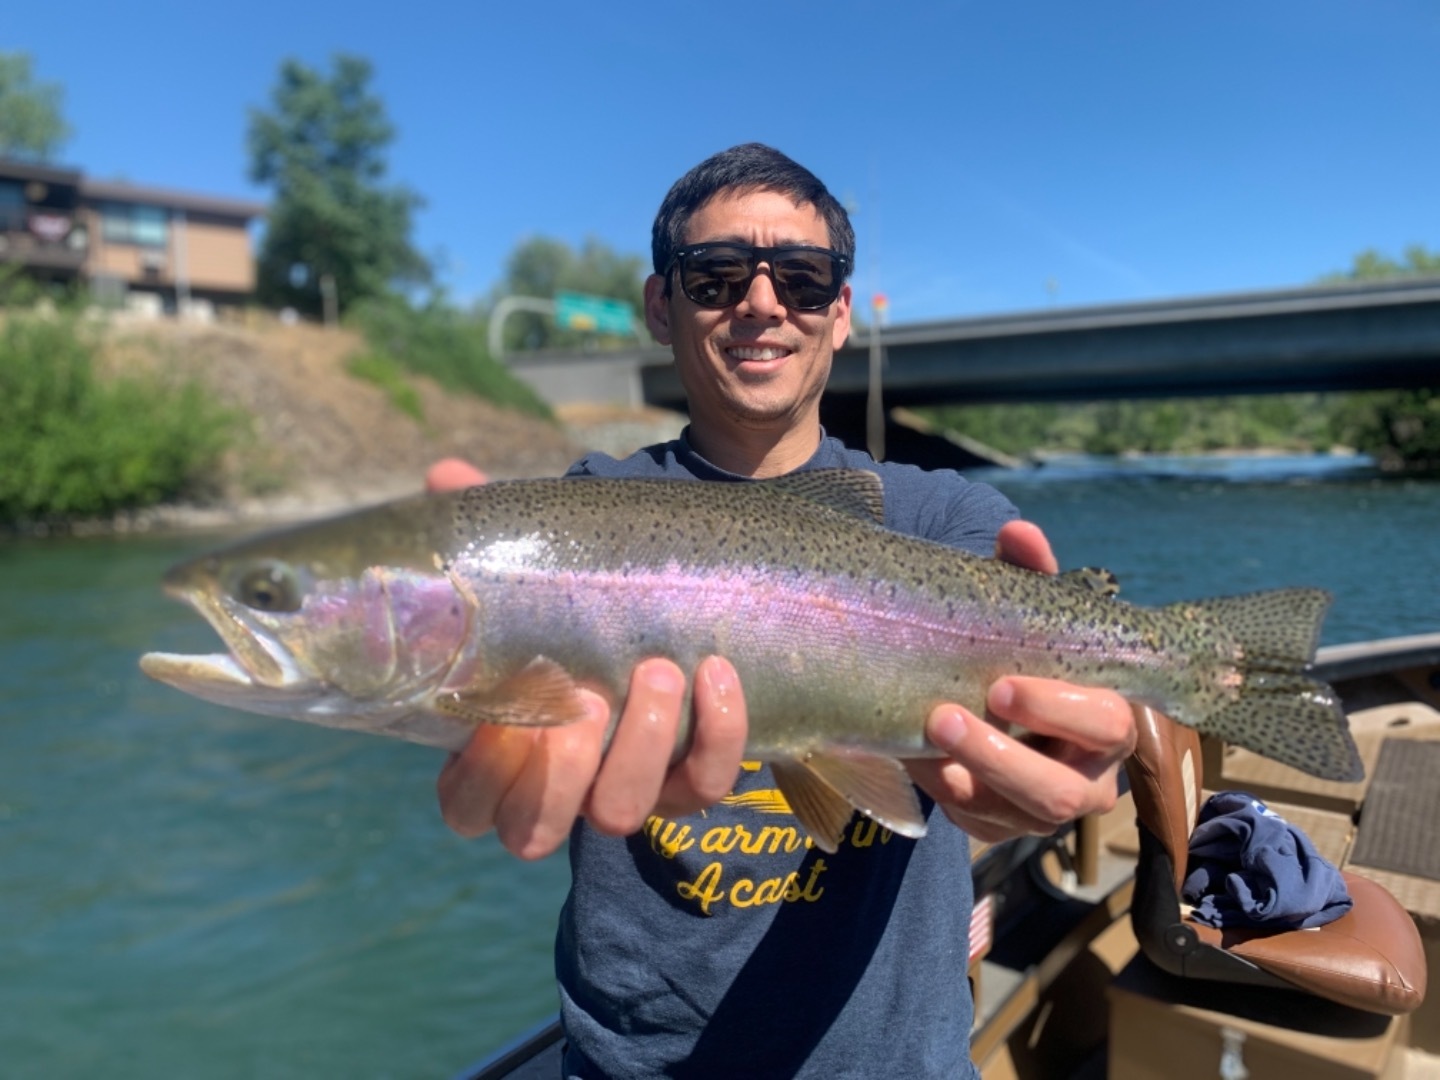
(423,618)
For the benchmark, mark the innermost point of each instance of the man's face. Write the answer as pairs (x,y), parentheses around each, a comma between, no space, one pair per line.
(755,364)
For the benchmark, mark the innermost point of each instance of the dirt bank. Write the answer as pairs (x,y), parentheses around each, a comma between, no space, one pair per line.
(323,440)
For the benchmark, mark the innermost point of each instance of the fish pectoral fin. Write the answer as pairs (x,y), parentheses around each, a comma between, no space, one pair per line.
(822,810)
(541,694)
(824,788)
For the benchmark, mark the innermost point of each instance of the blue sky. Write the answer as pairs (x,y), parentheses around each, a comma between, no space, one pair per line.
(999,156)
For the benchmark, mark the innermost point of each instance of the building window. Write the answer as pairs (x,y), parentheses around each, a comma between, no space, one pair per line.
(12,205)
(143,226)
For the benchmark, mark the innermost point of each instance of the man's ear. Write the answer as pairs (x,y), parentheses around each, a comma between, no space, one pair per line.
(657,309)
(841,328)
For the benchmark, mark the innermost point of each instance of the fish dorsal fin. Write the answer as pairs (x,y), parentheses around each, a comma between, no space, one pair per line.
(824,788)
(856,492)
(541,694)
(1093,579)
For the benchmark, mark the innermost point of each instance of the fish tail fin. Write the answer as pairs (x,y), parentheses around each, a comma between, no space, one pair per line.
(1277,630)
(1282,711)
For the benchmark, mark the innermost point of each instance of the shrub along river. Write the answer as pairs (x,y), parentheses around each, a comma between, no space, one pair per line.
(190,891)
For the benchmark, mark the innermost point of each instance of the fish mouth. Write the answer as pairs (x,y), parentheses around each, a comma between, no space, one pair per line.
(258,674)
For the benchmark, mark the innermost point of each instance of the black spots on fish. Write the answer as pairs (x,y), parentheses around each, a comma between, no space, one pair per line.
(1291,719)
(854,492)
(1276,630)
(598,524)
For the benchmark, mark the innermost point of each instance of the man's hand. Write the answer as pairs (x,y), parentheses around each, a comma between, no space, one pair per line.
(530,784)
(995,786)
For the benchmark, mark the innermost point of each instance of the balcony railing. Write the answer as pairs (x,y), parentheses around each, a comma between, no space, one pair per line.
(40,238)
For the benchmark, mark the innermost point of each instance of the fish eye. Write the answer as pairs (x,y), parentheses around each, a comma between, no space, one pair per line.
(268,586)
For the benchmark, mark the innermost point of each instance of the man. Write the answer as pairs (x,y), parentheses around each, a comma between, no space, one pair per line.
(701,935)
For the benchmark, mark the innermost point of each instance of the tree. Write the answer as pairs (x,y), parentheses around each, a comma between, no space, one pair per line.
(1372,265)
(1401,428)
(31,125)
(542,267)
(322,148)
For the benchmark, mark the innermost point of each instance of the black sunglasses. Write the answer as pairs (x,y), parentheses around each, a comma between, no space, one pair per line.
(718,275)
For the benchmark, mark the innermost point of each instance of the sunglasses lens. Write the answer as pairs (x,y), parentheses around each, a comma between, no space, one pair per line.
(806,280)
(717,275)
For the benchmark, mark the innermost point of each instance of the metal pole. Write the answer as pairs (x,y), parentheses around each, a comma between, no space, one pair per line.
(181,240)
(874,400)
(502,311)
(329,299)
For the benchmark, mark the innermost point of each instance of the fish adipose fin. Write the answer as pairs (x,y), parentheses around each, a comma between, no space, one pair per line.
(541,694)
(1280,711)
(825,788)
(1093,579)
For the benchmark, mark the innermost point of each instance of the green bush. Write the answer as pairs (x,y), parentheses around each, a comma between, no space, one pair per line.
(438,341)
(74,445)
(1401,428)
(380,369)
(1176,426)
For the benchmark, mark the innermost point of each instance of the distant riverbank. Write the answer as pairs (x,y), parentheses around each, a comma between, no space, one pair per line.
(324,498)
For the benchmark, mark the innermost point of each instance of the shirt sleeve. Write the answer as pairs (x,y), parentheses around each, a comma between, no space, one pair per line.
(945,507)
(972,519)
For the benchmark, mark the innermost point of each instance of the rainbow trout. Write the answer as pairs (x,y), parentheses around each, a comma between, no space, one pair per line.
(424,617)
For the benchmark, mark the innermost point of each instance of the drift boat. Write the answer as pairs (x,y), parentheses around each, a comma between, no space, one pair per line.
(1085,964)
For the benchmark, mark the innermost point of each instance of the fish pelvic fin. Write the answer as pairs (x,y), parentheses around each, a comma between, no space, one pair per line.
(1280,711)
(825,787)
(541,694)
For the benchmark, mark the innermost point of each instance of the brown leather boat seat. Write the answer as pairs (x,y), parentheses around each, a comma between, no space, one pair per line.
(1371,958)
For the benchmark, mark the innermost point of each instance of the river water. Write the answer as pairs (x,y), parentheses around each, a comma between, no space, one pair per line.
(189,891)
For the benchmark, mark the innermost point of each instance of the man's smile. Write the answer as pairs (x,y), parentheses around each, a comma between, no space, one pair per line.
(756,352)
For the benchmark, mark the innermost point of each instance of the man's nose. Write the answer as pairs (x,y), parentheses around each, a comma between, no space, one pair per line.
(760,300)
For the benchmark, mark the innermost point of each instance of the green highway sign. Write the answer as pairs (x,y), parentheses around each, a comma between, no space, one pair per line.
(597,314)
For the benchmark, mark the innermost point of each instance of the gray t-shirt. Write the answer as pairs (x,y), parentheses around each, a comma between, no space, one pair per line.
(722,945)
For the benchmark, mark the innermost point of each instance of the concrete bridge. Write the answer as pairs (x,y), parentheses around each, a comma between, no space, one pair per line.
(1355,336)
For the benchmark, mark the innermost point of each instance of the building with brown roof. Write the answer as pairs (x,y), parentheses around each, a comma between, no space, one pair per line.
(143,247)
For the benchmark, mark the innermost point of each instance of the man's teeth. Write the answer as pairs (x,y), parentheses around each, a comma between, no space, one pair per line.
(742,353)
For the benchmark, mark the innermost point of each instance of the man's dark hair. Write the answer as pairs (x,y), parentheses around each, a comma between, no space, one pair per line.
(748,167)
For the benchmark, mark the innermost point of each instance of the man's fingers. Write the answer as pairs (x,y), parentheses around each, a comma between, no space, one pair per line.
(635,766)
(1096,720)
(472,782)
(971,805)
(707,772)
(536,814)
(451,474)
(1021,543)
(1039,787)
